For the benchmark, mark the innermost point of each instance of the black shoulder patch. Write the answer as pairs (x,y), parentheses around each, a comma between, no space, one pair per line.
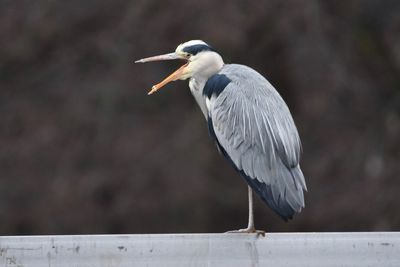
(194,49)
(215,85)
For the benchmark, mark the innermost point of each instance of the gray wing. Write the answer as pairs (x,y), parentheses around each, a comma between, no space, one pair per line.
(255,130)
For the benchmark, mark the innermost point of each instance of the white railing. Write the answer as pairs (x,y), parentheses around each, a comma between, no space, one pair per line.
(275,249)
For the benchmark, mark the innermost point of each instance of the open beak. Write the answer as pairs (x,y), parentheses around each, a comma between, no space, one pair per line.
(176,75)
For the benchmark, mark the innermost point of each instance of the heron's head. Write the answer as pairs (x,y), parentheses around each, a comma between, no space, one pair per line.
(201,61)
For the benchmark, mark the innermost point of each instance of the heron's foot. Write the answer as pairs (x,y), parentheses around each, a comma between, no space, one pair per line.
(249,231)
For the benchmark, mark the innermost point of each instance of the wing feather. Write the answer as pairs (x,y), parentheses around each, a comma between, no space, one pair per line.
(255,130)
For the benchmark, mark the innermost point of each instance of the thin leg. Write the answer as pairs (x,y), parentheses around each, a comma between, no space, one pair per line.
(251,210)
(250,227)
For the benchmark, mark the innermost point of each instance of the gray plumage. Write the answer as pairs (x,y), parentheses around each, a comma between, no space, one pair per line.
(250,123)
(254,129)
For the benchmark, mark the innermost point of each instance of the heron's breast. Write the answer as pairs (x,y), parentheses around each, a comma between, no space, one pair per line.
(196,88)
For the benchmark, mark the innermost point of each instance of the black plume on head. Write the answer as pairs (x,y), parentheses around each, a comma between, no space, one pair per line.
(195,49)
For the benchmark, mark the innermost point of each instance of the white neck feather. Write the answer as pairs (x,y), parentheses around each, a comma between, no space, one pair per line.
(205,64)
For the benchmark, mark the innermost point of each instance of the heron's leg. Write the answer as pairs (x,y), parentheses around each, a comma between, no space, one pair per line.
(250,227)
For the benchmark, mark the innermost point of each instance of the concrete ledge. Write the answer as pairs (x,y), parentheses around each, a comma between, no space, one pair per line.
(275,249)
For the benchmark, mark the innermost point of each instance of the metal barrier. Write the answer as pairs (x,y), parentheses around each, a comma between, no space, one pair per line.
(275,249)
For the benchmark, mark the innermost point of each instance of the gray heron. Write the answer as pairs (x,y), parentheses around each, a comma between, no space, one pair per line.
(249,122)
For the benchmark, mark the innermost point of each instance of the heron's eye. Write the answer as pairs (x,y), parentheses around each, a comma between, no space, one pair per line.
(187,55)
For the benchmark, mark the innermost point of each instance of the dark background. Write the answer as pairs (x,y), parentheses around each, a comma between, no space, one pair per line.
(83,149)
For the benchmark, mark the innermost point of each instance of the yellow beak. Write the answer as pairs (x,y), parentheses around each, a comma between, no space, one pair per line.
(176,75)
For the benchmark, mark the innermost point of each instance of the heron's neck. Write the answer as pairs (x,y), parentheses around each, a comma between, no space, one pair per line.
(205,64)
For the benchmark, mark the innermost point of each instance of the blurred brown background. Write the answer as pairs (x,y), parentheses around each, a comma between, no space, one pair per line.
(83,149)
